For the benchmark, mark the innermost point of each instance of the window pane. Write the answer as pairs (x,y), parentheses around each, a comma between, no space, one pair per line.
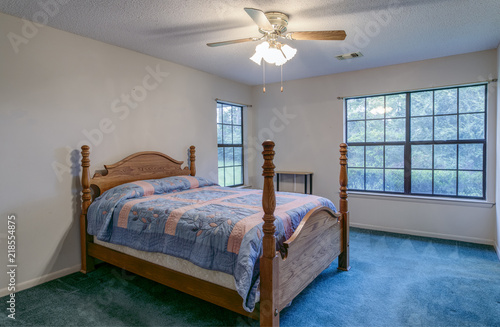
(356,131)
(238,156)
(374,131)
(374,179)
(445,101)
(419,142)
(445,182)
(421,129)
(375,107)
(445,156)
(445,127)
(394,156)
(236,115)
(229,172)
(421,103)
(471,99)
(375,156)
(356,178)
(470,156)
(227,117)
(421,156)
(356,156)
(355,109)
(228,156)
(421,181)
(470,183)
(221,157)
(227,134)
(238,175)
(221,177)
(395,105)
(471,126)
(395,130)
(394,180)
(219,134)
(236,134)
(219,113)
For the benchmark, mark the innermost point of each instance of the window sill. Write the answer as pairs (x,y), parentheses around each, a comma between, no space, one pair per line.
(242,186)
(422,199)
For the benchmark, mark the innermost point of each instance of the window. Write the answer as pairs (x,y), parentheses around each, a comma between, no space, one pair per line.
(430,142)
(230,144)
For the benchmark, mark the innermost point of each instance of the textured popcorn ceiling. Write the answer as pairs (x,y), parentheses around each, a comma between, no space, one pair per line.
(385,31)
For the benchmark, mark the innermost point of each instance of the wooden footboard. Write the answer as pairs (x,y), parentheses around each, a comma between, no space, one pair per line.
(321,237)
(310,250)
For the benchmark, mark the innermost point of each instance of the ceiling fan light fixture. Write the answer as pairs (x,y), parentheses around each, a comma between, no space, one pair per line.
(288,51)
(260,51)
(274,53)
(274,56)
(256,58)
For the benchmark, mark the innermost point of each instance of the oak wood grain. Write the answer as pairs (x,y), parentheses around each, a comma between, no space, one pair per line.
(311,249)
(86,260)
(343,262)
(269,265)
(140,166)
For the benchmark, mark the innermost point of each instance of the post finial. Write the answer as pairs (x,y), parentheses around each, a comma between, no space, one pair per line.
(192,159)
(86,197)
(268,197)
(343,178)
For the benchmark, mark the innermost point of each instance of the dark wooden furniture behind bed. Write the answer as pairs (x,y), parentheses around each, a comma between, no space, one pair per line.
(320,238)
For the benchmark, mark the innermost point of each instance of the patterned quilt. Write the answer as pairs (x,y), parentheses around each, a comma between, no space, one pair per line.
(217,228)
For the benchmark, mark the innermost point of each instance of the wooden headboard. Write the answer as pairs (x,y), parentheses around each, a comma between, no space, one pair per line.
(138,166)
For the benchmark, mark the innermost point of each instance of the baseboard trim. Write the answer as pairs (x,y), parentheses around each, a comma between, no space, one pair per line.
(40,280)
(427,234)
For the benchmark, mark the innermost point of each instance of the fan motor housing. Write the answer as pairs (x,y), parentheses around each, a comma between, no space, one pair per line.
(279,21)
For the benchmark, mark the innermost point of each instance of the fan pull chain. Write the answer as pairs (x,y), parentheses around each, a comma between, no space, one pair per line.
(281,78)
(264,76)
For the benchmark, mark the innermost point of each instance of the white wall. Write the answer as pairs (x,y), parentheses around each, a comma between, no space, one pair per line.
(310,141)
(497,239)
(60,85)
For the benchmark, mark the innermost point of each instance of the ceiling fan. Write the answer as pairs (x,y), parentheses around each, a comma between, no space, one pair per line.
(273,25)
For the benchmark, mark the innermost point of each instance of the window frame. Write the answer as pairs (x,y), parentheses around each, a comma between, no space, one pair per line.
(221,104)
(407,143)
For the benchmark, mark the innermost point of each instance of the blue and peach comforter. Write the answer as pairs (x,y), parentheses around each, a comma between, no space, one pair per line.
(217,228)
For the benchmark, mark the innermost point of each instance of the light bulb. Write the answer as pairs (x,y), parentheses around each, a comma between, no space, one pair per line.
(288,51)
(256,58)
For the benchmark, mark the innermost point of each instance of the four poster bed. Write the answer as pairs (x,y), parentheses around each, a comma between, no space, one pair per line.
(302,234)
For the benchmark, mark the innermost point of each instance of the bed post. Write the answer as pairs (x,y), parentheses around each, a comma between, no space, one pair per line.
(269,315)
(344,210)
(192,159)
(87,261)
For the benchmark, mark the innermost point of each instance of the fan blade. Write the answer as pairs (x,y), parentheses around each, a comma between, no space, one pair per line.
(317,35)
(218,44)
(259,18)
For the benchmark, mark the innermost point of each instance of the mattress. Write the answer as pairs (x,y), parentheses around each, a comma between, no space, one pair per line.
(174,263)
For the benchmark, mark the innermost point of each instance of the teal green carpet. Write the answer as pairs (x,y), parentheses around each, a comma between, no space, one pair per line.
(395,280)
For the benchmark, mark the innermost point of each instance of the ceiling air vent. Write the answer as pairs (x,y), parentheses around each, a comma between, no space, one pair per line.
(349,55)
